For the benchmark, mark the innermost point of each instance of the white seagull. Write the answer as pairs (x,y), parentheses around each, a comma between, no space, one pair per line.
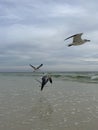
(77,40)
(45,79)
(36,68)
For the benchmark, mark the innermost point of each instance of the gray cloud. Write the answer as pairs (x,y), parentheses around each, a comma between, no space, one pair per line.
(34,32)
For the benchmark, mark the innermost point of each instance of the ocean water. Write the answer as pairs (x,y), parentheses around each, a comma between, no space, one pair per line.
(70,103)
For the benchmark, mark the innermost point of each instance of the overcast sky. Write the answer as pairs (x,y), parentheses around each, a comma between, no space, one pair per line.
(33,32)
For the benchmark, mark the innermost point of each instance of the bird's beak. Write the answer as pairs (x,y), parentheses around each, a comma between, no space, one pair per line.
(89,40)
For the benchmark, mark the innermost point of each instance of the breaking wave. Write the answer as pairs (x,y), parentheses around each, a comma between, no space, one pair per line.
(88,77)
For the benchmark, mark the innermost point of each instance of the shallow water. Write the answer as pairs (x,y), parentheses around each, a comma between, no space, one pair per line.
(64,105)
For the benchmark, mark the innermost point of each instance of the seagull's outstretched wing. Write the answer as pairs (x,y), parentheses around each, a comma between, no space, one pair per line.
(32,66)
(39,66)
(38,81)
(50,79)
(76,37)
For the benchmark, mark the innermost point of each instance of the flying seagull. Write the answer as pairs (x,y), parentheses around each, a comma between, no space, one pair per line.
(77,40)
(36,68)
(45,79)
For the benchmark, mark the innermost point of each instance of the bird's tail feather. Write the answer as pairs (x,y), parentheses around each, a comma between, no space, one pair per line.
(70,45)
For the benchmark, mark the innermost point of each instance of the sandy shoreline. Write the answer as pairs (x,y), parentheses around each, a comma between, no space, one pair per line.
(64,105)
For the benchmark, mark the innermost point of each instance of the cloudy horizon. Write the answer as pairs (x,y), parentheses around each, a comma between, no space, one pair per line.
(33,32)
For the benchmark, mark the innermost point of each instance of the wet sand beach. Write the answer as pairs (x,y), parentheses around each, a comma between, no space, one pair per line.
(64,105)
